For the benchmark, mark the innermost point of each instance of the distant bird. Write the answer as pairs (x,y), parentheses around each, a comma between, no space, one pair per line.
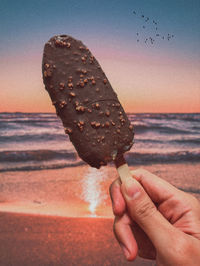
(151,40)
(151,27)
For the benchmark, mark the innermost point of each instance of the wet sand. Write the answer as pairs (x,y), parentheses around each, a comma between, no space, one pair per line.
(80,191)
(46,240)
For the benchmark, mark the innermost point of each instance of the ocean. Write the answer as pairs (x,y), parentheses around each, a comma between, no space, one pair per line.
(36,141)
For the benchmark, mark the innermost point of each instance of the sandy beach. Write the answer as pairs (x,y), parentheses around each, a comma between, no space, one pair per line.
(49,218)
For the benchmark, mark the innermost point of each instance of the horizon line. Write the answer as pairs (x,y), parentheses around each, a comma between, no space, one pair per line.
(3,112)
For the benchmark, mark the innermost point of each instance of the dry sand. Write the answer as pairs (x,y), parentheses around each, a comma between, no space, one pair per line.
(46,240)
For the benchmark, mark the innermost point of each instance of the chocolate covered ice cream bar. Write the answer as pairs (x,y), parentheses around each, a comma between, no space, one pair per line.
(89,108)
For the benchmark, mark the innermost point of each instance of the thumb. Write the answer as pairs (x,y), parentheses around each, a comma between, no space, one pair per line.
(143,211)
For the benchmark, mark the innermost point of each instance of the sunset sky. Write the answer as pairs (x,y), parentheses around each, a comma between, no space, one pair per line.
(163,77)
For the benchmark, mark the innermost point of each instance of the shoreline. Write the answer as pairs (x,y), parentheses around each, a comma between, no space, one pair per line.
(81,191)
(131,166)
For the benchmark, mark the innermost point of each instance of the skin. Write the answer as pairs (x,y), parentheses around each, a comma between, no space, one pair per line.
(155,220)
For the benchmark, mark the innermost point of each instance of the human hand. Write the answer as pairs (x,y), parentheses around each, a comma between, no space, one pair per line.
(156,220)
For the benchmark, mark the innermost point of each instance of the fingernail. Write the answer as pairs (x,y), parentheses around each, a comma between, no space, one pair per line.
(125,251)
(132,189)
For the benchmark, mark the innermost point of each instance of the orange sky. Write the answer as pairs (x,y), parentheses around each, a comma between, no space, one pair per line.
(143,82)
(159,77)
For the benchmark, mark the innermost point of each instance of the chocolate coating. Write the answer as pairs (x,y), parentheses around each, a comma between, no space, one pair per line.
(85,101)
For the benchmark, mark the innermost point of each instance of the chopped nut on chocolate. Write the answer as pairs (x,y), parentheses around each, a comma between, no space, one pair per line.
(70,79)
(80,108)
(70,85)
(107,113)
(131,127)
(107,124)
(68,130)
(62,84)
(97,105)
(47,73)
(82,84)
(82,123)
(63,104)
(97,124)
(72,94)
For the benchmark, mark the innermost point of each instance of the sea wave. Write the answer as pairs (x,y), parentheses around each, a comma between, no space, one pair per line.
(162,129)
(41,167)
(189,141)
(194,117)
(168,157)
(11,134)
(36,155)
(33,137)
(30,121)
(48,159)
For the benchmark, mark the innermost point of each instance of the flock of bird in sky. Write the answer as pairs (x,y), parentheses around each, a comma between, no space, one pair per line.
(151,39)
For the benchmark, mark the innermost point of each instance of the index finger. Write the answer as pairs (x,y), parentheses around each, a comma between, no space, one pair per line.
(158,189)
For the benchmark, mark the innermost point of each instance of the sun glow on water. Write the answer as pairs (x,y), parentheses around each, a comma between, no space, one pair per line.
(92,191)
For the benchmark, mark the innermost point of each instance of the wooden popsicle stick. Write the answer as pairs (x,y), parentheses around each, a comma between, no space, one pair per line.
(123,169)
